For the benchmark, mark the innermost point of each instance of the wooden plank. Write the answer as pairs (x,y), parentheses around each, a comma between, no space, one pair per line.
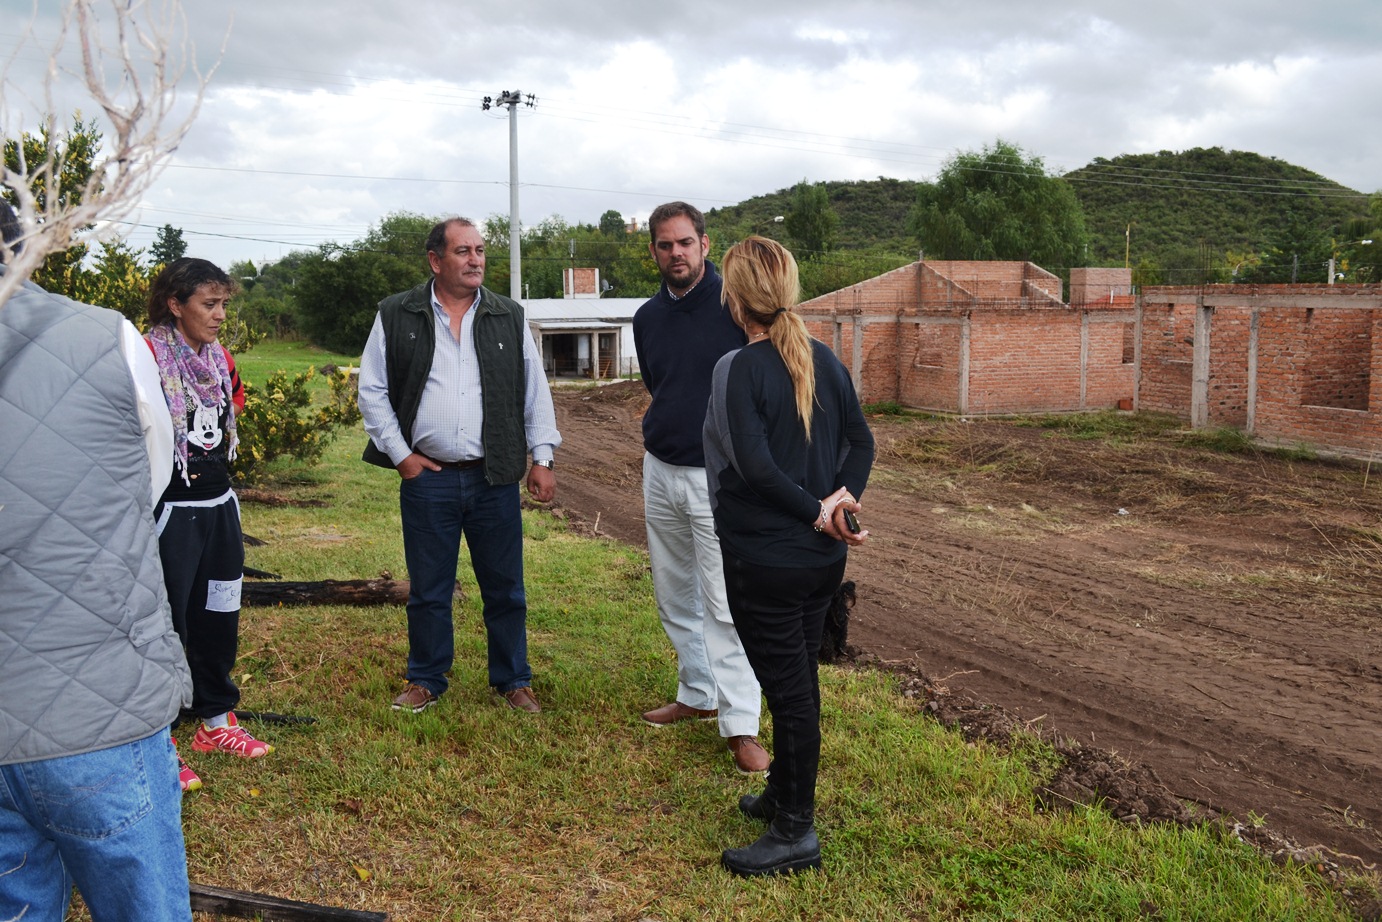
(244,905)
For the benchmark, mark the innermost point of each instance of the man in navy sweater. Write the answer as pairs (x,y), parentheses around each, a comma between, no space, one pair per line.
(679,334)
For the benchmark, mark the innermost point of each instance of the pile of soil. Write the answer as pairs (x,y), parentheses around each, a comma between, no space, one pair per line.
(1199,632)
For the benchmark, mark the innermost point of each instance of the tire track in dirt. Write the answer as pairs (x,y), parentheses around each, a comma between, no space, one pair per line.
(1225,633)
(1281,736)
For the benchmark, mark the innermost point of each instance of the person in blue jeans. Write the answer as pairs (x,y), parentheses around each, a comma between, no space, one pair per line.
(454,398)
(91,671)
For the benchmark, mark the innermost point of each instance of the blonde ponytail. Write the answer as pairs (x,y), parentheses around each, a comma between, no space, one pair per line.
(762,285)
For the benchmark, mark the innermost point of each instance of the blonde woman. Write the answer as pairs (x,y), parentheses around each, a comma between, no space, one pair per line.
(787,454)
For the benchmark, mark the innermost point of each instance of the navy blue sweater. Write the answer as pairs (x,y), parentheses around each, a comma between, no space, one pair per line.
(766,481)
(678,342)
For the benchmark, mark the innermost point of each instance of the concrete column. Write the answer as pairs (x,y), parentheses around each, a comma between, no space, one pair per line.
(1084,359)
(1199,367)
(856,361)
(1253,322)
(962,398)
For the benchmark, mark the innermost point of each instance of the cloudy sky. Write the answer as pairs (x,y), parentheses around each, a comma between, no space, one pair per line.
(322,117)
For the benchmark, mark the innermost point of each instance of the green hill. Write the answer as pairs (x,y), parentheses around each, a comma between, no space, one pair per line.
(1174,213)
(873,214)
(1181,211)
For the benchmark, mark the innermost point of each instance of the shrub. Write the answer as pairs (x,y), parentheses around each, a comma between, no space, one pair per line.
(280,421)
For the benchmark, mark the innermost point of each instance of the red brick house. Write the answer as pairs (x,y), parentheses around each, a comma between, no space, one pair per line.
(983,337)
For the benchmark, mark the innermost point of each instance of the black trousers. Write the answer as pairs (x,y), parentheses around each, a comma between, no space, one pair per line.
(203,568)
(779,614)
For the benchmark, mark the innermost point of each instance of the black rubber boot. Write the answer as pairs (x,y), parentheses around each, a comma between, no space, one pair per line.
(763,807)
(790,845)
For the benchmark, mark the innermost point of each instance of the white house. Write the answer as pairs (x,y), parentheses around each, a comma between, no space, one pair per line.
(585,338)
(584,335)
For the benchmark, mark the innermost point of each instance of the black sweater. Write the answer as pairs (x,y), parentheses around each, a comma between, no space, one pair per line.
(766,481)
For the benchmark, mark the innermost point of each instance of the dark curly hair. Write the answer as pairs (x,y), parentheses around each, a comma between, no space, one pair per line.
(179,280)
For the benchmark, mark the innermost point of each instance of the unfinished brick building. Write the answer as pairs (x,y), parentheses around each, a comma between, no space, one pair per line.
(983,337)
(1288,364)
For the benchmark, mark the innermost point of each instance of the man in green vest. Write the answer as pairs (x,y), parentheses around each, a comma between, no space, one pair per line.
(455,399)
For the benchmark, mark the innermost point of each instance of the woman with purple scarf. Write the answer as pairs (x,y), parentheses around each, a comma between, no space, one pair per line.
(199,516)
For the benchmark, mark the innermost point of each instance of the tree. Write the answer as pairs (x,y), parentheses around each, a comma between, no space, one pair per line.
(131,64)
(73,157)
(338,288)
(999,204)
(811,223)
(612,224)
(267,300)
(1296,250)
(831,272)
(495,230)
(168,245)
(120,282)
(1360,252)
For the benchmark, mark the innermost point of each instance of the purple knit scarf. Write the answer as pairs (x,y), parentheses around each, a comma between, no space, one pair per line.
(204,375)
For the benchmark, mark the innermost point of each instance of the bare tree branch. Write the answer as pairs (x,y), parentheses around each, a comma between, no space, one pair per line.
(134,54)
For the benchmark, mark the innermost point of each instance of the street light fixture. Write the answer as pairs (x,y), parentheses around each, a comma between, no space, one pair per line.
(777,219)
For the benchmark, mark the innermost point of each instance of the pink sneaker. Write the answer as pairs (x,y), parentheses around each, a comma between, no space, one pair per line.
(187,779)
(231,739)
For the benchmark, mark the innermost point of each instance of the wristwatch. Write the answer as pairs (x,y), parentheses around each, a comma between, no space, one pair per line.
(546,464)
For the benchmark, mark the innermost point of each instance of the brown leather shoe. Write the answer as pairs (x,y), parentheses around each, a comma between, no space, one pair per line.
(415,698)
(675,713)
(523,699)
(749,756)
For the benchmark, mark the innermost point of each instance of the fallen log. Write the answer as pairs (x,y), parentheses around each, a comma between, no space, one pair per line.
(329,592)
(245,905)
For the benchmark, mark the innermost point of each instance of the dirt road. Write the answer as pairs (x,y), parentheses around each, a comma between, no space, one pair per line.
(1214,619)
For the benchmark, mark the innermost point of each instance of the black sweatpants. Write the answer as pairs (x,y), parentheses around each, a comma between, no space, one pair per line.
(203,567)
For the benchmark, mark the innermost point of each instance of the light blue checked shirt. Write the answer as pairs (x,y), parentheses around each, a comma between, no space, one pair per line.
(451,414)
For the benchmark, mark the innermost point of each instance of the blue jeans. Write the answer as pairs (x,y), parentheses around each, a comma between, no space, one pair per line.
(438,508)
(109,821)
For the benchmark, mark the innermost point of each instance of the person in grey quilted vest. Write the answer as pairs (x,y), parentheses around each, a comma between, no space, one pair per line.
(91,671)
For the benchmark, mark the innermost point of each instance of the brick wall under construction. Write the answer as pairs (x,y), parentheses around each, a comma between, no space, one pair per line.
(1289,364)
(978,338)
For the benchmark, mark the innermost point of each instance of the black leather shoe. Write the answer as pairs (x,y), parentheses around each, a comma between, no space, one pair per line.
(763,807)
(774,853)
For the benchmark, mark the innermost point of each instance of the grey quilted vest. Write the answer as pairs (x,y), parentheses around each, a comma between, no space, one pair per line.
(88,655)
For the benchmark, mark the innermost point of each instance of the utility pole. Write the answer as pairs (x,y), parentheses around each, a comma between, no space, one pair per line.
(513,99)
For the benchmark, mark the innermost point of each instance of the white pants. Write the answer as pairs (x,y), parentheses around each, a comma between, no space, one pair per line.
(689,583)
